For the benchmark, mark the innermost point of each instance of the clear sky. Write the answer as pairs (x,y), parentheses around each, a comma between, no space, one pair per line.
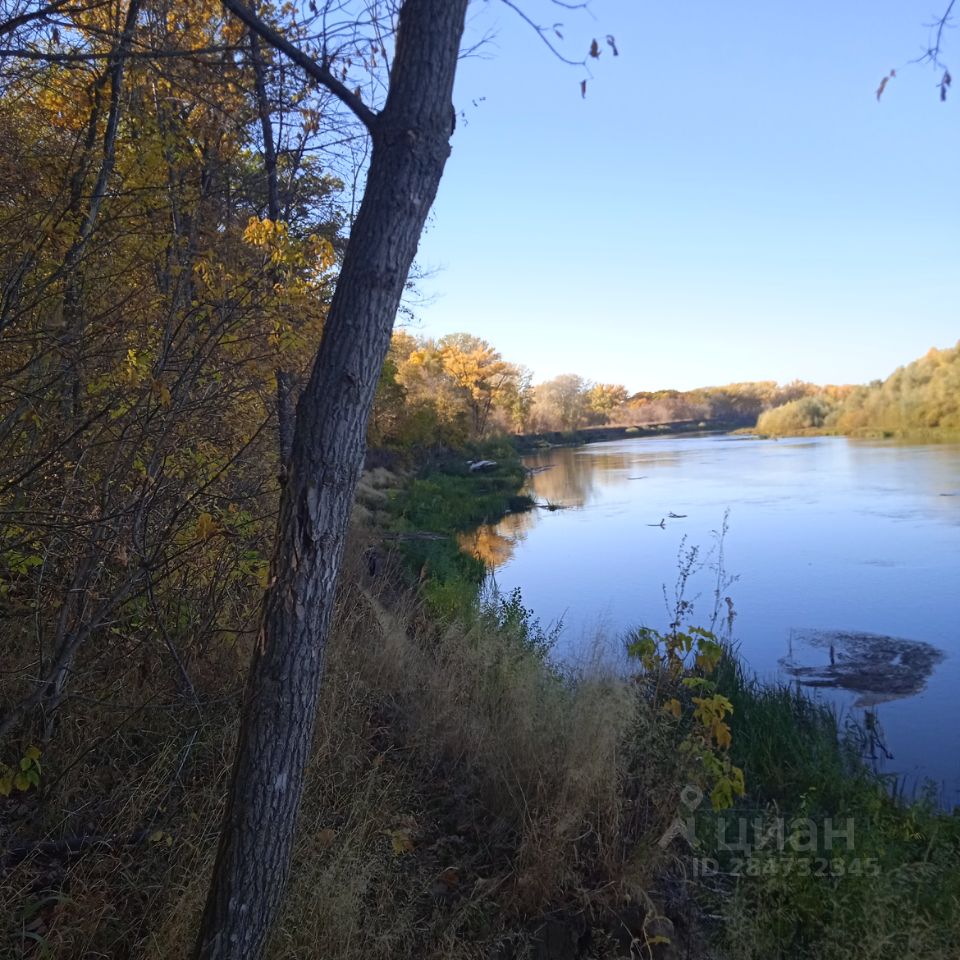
(729,202)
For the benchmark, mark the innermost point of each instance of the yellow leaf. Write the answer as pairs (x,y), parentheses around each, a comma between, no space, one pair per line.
(721,733)
(206,526)
(401,842)
(672,707)
(736,778)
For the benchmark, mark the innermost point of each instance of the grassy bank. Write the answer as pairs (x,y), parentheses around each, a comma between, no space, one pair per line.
(469,798)
(820,857)
(445,498)
(835,865)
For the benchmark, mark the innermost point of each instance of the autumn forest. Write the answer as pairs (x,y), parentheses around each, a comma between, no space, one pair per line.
(254,697)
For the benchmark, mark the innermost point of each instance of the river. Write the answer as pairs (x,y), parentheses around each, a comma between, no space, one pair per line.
(846,556)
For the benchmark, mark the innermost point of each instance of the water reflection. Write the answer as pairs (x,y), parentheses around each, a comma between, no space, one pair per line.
(827,537)
(570,484)
(876,668)
(494,543)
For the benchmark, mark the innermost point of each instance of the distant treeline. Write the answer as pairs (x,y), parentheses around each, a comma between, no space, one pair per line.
(921,399)
(459,388)
(735,402)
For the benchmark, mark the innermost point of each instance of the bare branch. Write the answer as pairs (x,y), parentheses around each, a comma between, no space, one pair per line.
(544,32)
(942,24)
(933,52)
(146,54)
(14,23)
(316,71)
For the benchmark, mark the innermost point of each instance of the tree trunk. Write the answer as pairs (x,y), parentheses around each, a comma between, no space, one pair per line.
(410,148)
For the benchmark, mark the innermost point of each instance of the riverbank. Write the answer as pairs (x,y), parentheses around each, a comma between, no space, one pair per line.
(530,443)
(810,861)
(468,796)
(913,436)
(444,499)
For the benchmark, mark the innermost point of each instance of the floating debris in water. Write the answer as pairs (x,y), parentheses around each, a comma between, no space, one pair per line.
(876,667)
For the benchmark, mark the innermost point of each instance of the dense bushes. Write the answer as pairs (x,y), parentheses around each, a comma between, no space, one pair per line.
(920,400)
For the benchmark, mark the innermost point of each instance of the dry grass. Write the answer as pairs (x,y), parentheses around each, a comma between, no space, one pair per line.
(460,791)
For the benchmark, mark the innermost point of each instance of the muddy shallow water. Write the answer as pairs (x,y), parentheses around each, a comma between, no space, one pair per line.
(846,554)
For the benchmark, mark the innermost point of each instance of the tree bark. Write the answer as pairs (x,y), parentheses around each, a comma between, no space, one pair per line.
(410,147)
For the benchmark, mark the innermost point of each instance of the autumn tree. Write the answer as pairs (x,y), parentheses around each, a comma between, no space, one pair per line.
(561,403)
(171,264)
(604,398)
(447,391)
(480,375)
(410,144)
(147,300)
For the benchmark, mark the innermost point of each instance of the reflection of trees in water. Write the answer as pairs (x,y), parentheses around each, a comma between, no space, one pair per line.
(570,480)
(494,543)
(573,476)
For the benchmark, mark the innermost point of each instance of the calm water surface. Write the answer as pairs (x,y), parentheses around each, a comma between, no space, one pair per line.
(825,535)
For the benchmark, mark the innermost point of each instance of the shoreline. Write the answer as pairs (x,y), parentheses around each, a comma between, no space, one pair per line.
(532,442)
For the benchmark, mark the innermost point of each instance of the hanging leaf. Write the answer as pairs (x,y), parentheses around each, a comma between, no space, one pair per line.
(944,84)
(583,88)
(884,82)
(595,49)
(612,44)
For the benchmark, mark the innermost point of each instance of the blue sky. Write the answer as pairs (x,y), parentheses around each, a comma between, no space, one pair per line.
(729,202)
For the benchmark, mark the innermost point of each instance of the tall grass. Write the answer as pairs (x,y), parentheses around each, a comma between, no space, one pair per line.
(892,890)
(468,797)
(462,790)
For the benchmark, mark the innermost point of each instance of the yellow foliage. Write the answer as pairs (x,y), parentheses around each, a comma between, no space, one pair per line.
(206,526)
(401,842)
